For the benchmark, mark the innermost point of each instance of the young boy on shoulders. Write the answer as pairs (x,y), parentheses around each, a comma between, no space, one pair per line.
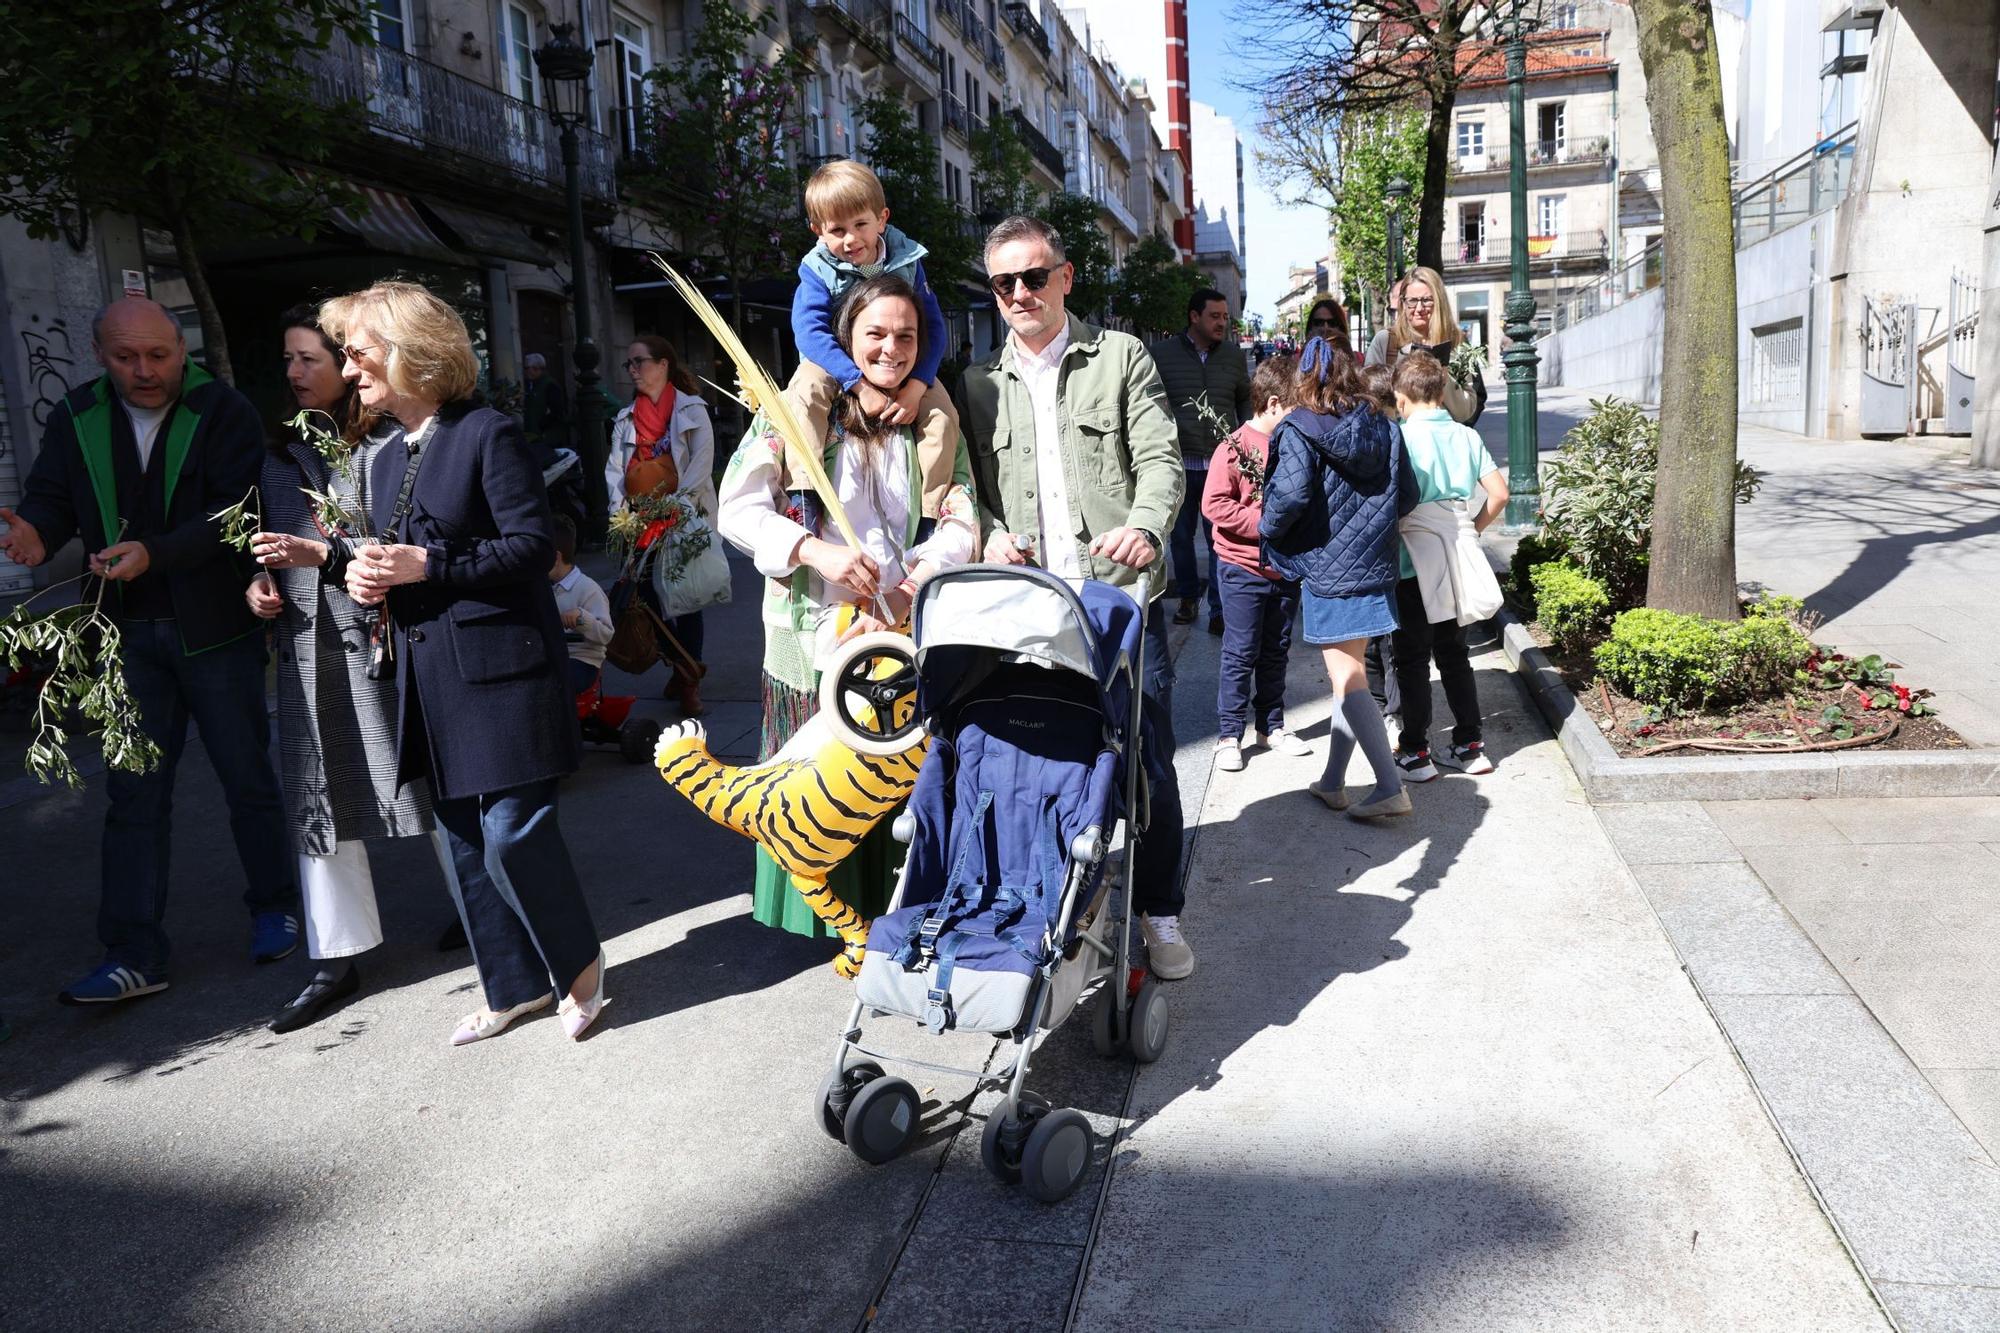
(848,212)
(1258,604)
(1450,463)
(586,611)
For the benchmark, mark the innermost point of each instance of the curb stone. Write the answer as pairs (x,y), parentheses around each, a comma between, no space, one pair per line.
(1608,777)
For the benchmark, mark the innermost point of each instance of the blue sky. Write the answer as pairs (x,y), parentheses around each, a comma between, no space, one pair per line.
(1275,236)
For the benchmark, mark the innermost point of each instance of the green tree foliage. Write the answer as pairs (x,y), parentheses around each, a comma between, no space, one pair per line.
(172,111)
(717,130)
(1074,216)
(1152,290)
(907,161)
(1381,145)
(1003,171)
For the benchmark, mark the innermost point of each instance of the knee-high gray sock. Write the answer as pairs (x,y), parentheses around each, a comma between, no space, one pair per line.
(1339,749)
(1364,719)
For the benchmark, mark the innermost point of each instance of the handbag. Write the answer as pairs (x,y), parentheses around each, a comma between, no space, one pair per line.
(643,476)
(634,647)
(704,582)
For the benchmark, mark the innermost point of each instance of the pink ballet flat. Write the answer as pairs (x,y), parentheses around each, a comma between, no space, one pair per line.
(577,1018)
(486,1023)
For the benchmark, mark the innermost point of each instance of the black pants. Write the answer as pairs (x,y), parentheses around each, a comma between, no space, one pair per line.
(1156,866)
(1417,643)
(1379,661)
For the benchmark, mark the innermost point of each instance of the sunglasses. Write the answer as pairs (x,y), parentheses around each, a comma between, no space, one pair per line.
(1321,324)
(1034,279)
(630,362)
(353,353)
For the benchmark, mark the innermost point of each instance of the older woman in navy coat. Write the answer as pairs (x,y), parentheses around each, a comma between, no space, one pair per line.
(486,712)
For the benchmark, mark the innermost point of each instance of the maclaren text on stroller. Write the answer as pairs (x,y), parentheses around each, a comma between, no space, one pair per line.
(1003,920)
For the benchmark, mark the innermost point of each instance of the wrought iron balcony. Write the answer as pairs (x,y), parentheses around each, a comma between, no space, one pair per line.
(954,117)
(954,13)
(1028,24)
(1039,146)
(1572,252)
(1114,207)
(1112,130)
(440,113)
(866,20)
(909,38)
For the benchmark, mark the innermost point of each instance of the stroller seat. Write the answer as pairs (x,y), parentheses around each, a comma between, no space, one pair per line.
(1024,770)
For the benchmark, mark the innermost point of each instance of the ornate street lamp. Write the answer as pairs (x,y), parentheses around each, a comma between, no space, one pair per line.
(1398,190)
(565,65)
(1524,480)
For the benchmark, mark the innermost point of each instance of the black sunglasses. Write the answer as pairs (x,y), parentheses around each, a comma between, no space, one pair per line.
(1034,279)
(1322,323)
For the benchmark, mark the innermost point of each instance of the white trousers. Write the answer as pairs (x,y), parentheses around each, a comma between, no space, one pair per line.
(342,918)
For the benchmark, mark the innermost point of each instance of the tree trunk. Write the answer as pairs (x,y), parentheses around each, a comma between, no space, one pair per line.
(1694,508)
(1437,181)
(215,341)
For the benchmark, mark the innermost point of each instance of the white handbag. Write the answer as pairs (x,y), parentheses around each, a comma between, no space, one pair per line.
(703,582)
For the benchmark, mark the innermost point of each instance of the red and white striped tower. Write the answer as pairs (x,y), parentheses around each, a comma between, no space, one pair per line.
(1177,118)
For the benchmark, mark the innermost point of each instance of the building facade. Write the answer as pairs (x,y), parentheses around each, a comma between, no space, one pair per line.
(1219,239)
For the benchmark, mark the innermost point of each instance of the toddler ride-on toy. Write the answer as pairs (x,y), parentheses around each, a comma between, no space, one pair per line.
(606,719)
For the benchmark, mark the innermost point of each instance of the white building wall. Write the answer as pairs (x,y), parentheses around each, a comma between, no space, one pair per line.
(1218,197)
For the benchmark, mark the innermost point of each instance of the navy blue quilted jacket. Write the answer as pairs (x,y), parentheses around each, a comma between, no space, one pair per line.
(1335,487)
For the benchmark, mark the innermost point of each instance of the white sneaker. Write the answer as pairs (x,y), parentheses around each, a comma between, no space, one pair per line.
(1229,755)
(1284,742)
(1165,949)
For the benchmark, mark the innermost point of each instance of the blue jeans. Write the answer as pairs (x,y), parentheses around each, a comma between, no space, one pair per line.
(1257,615)
(222,691)
(517,893)
(1156,867)
(1180,545)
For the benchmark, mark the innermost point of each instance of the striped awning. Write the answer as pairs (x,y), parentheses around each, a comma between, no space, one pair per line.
(484,236)
(391,222)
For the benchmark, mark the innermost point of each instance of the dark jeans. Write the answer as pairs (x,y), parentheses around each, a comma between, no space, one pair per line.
(1417,643)
(1156,867)
(1379,662)
(222,691)
(517,893)
(1180,545)
(582,675)
(1257,616)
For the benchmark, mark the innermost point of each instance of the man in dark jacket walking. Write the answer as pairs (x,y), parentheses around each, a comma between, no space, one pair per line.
(1208,387)
(135,463)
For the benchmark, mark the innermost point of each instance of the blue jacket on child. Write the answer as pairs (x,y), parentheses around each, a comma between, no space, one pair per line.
(824,279)
(1335,487)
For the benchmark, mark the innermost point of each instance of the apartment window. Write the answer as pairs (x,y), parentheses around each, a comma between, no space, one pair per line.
(918,12)
(632,48)
(1777,362)
(1471,139)
(517,55)
(1471,233)
(392,25)
(816,129)
(1550,214)
(1563,17)
(1551,126)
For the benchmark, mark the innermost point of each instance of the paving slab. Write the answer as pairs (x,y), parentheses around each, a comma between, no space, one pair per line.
(1974,1096)
(1665,832)
(1446,1074)
(1732,935)
(1779,823)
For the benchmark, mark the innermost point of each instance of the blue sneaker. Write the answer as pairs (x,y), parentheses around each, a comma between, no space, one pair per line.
(273,935)
(113,982)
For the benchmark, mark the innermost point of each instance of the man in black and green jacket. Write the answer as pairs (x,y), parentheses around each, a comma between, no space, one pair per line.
(1208,386)
(135,463)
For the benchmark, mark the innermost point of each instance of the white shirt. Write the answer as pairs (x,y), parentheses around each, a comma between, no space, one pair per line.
(145,429)
(1039,372)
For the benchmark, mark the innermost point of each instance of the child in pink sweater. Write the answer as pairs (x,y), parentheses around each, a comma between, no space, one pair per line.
(1258,606)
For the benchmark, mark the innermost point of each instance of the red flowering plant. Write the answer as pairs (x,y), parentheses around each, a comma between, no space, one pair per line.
(662,526)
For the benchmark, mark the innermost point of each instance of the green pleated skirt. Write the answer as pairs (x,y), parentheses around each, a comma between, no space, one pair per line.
(865,880)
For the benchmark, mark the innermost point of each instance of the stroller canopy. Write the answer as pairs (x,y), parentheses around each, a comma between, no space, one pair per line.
(965,617)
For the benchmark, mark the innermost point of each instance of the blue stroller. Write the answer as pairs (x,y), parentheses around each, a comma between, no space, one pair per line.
(1003,920)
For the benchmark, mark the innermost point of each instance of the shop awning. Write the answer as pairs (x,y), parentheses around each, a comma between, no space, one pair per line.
(391,222)
(486,236)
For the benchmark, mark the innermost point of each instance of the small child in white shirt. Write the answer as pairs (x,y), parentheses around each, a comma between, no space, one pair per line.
(586,611)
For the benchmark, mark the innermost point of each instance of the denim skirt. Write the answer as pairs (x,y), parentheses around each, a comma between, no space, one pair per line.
(1363,615)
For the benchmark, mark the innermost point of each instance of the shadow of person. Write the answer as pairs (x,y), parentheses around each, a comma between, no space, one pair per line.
(734,956)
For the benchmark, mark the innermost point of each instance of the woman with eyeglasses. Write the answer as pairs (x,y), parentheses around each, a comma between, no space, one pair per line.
(1424,321)
(336,726)
(820,590)
(664,441)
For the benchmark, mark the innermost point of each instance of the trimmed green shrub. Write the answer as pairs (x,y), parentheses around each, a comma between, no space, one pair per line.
(1534,548)
(1572,606)
(1664,658)
(1766,654)
(1597,496)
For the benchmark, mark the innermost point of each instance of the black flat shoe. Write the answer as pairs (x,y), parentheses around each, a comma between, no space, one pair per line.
(315,1000)
(453,937)
(1184,613)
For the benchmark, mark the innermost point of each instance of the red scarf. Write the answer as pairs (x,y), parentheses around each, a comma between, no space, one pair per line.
(650,420)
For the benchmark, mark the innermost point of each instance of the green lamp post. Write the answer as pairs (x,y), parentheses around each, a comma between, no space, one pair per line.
(1524,482)
(565,67)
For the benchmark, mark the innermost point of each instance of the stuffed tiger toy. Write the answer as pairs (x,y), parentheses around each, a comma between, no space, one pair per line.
(809,805)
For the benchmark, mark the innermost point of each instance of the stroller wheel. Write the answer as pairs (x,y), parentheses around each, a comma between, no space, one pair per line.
(1000,1146)
(1147,1020)
(637,739)
(1057,1155)
(882,1119)
(836,1093)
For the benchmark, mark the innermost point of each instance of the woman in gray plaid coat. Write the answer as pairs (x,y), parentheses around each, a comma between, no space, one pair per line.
(336,727)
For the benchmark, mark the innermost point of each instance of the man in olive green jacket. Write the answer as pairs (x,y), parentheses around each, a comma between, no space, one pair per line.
(1077,465)
(1208,387)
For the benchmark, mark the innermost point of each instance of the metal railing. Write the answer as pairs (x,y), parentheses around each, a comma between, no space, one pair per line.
(1810,183)
(1576,302)
(914,40)
(1038,143)
(954,13)
(1113,133)
(1542,250)
(866,19)
(954,116)
(1029,25)
(428,106)
(1108,200)
(1962,323)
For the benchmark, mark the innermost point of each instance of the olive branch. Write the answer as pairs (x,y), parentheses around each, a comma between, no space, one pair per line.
(329,510)
(86,675)
(241,521)
(1468,363)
